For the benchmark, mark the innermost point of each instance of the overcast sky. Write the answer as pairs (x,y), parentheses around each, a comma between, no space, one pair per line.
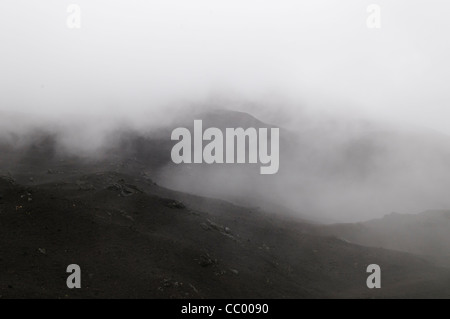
(133,55)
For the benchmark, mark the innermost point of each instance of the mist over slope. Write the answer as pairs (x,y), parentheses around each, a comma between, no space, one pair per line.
(339,171)
(426,234)
(108,211)
(335,171)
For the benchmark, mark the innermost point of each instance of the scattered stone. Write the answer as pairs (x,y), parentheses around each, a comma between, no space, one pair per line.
(221,229)
(213,225)
(177,204)
(172,203)
(42,251)
(167,283)
(234,271)
(124,190)
(193,288)
(206,260)
(8,179)
(124,214)
(84,186)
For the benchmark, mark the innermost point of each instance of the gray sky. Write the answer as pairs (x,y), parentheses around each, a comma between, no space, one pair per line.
(132,55)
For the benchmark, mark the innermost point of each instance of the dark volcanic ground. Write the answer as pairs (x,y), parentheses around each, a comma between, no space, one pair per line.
(135,239)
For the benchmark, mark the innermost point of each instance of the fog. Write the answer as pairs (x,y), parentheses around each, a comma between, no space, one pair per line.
(312,67)
(132,56)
